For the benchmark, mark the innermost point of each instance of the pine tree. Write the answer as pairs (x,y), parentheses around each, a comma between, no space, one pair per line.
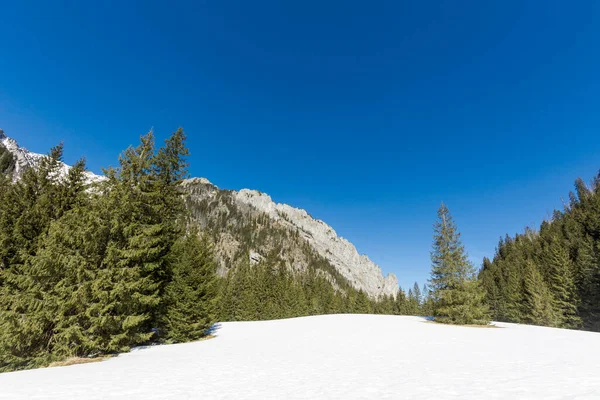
(588,282)
(457,295)
(562,286)
(191,296)
(418,296)
(400,304)
(513,292)
(363,305)
(412,304)
(427,301)
(489,281)
(28,311)
(538,299)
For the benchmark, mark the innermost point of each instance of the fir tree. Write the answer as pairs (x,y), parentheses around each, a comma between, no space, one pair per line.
(191,295)
(418,296)
(538,299)
(562,285)
(412,304)
(363,305)
(400,304)
(457,296)
(28,310)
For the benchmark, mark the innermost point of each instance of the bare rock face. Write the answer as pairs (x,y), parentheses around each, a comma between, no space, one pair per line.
(250,222)
(23,158)
(359,270)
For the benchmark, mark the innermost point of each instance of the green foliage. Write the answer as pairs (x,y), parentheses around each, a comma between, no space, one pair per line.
(96,270)
(538,299)
(192,293)
(551,276)
(28,302)
(457,296)
(7,161)
(268,290)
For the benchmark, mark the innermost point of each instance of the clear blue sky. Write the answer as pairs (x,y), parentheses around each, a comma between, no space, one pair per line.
(366,114)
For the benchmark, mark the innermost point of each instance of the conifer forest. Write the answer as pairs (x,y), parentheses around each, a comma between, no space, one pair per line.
(94,268)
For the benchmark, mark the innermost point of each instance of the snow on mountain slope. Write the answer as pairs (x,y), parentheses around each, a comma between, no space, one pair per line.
(337,357)
(26,159)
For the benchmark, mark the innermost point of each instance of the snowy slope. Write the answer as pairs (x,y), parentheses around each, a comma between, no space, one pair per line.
(337,357)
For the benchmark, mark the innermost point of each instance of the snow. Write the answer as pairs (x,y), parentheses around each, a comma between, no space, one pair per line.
(337,357)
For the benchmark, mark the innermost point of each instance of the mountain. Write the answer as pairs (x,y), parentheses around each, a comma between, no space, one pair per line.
(336,357)
(247,225)
(23,159)
(250,222)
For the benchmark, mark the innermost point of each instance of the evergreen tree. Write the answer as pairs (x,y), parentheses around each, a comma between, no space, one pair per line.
(457,295)
(363,305)
(191,294)
(588,283)
(562,285)
(401,303)
(538,299)
(27,308)
(427,302)
(412,304)
(418,296)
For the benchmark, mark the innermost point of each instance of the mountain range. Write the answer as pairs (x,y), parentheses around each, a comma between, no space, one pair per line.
(248,226)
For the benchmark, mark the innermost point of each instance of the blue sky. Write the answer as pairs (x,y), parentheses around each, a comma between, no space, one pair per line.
(367,114)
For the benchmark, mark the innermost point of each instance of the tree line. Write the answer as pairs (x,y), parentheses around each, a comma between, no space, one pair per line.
(268,291)
(95,268)
(551,276)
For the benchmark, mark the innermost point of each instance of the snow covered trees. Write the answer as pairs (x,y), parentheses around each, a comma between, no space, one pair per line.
(456,294)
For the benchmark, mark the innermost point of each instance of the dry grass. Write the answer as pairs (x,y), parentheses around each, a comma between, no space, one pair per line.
(465,325)
(207,337)
(76,360)
(81,360)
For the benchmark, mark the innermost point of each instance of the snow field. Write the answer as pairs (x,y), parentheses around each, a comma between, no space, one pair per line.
(337,357)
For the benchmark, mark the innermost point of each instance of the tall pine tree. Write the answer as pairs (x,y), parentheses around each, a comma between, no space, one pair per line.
(456,293)
(191,295)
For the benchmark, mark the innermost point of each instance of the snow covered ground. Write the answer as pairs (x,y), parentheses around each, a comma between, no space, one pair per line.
(337,357)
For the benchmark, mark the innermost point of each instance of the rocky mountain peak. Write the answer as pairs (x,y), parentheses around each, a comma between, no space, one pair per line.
(359,270)
(25,159)
(246,205)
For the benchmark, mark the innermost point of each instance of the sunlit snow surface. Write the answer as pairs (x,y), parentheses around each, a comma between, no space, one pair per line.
(337,357)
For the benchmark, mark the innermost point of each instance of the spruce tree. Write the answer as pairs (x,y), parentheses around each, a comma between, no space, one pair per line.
(427,301)
(400,307)
(418,296)
(412,304)
(191,295)
(457,295)
(28,309)
(362,305)
(588,283)
(562,285)
(538,298)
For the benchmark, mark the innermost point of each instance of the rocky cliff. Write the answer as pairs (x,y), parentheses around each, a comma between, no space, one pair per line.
(24,159)
(249,224)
